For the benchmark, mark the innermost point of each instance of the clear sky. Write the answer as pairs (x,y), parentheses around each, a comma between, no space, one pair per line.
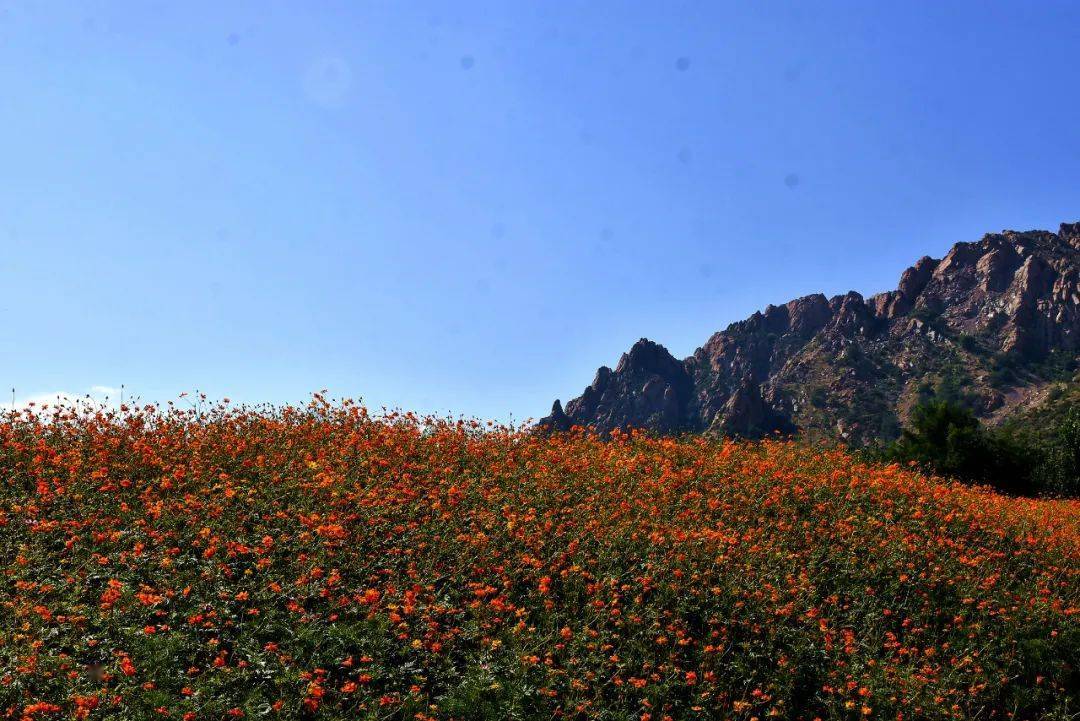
(469,207)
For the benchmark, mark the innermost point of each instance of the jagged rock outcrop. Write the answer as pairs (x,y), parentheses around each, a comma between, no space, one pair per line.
(992,322)
(649,388)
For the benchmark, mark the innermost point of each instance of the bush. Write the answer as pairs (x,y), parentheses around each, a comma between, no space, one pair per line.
(1002,371)
(970,343)
(944,437)
(1058,471)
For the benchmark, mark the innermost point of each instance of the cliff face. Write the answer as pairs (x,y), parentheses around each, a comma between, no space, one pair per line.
(993,324)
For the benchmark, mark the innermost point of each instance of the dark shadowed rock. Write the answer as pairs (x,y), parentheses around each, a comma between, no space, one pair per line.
(558,420)
(649,388)
(1070,233)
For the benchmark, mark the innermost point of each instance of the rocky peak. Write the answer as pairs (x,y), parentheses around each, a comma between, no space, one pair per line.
(648,357)
(819,365)
(558,420)
(913,281)
(851,316)
(1070,233)
(997,267)
(915,278)
(808,314)
(649,388)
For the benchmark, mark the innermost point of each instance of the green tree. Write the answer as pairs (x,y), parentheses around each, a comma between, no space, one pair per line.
(946,438)
(1058,472)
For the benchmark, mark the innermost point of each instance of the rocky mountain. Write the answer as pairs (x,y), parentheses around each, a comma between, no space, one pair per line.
(994,324)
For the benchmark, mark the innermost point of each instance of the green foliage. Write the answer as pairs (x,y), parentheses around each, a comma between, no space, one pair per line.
(945,438)
(1058,471)
(890,425)
(926,314)
(951,387)
(925,391)
(850,357)
(1002,371)
(1059,365)
(970,343)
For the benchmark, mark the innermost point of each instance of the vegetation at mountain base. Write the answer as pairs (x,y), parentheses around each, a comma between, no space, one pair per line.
(1037,453)
(946,438)
(322,563)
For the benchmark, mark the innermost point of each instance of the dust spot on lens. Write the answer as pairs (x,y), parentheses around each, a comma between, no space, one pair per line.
(682,64)
(234,39)
(467,62)
(328,81)
(791,180)
(685,155)
(603,245)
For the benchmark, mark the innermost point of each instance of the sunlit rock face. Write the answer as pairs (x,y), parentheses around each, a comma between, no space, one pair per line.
(851,368)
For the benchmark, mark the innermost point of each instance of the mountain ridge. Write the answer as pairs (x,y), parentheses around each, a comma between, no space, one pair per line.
(994,322)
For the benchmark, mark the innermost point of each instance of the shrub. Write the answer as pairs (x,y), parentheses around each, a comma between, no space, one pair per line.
(1058,471)
(946,438)
(1002,371)
(970,343)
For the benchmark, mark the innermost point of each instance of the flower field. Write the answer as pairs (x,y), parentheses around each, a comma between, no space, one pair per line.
(317,562)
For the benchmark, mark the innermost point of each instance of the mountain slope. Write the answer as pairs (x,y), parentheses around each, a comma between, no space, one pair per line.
(993,324)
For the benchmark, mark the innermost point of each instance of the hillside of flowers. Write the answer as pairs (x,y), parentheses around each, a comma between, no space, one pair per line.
(321,562)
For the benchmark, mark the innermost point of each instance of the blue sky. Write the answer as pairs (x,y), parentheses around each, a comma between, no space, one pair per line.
(467,207)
